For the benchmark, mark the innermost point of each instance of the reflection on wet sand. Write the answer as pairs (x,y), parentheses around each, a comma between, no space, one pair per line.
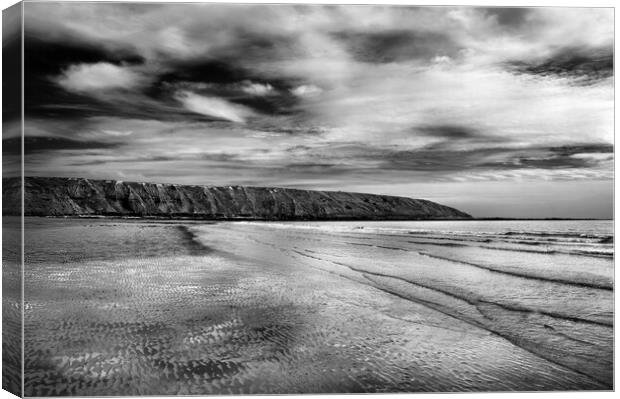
(130,308)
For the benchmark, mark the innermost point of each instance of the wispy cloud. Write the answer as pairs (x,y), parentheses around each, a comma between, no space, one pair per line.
(212,106)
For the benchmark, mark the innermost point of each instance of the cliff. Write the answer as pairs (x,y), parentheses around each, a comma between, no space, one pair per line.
(53,196)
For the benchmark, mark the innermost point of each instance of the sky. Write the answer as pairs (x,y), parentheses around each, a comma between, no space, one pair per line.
(496,111)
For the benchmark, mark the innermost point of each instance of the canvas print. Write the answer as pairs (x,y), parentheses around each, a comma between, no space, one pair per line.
(220,199)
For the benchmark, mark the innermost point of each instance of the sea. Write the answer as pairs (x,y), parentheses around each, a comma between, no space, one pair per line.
(154,307)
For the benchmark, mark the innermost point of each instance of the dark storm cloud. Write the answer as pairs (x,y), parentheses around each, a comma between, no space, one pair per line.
(269,106)
(216,158)
(553,162)
(11,68)
(450,139)
(511,17)
(433,160)
(237,85)
(443,158)
(50,144)
(44,97)
(45,59)
(49,63)
(583,149)
(589,64)
(76,107)
(296,131)
(548,159)
(207,71)
(48,57)
(502,158)
(449,131)
(397,45)
(11,90)
(255,45)
(456,134)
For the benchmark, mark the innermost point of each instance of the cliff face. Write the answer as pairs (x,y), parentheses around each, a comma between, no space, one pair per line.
(46,196)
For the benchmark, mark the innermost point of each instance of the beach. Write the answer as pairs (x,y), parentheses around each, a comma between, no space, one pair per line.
(138,307)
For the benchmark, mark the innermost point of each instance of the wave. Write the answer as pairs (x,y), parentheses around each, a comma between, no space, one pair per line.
(469,300)
(530,276)
(523,274)
(551,248)
(601,238)
(559,234)
(485,322)
(575,252)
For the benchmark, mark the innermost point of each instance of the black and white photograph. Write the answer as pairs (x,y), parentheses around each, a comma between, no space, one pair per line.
(235,199)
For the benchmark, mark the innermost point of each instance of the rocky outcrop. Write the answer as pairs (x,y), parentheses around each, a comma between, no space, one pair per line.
(52,196)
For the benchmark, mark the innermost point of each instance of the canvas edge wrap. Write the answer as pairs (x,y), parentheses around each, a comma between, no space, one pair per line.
(12,227)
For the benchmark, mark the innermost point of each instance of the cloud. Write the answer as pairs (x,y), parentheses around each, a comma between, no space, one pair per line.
(214,107)
(257,89)
(398,45)
(50,144)
(323,96)
(117,133)
(441,59)
(511,17)
(91,78)
(306,90)
(595,156)
(455,132)
(585,65)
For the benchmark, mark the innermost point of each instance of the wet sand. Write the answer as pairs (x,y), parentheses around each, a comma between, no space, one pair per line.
(11,305)
(147,308)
